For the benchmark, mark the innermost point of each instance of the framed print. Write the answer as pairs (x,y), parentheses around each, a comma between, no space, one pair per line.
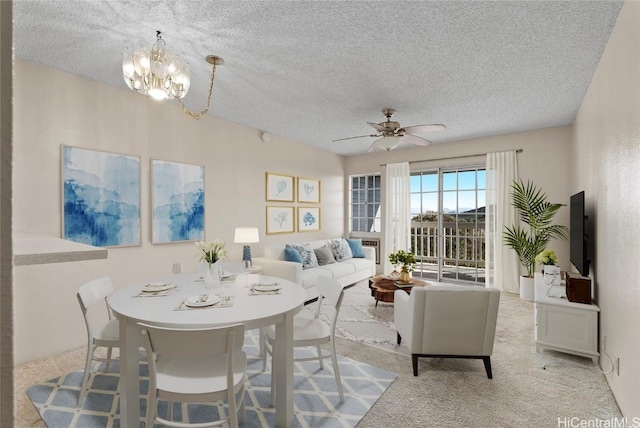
(308,219)
(279,187)
(280,220)
(100,197)
(177,202)
(308,190)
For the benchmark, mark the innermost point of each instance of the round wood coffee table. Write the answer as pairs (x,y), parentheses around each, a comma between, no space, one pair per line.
(383,289)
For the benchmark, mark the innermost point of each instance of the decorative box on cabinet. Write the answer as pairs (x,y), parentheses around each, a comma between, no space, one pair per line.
(565,326)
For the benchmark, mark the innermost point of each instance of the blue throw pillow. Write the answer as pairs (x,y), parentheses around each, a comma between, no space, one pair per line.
(291,255)
(356,247)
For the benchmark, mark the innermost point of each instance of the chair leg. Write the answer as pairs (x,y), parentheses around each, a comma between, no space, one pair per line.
(399,338)
(487,366)
(320,359)
(109,350)
(233,409)
(151,409)
(243,411)
(85,376)
(414,362)
(336,371)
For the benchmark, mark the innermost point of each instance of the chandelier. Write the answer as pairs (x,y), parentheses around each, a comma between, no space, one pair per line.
(161,74)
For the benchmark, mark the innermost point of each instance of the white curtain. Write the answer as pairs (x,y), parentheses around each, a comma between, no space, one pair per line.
(397,210)
(502,265)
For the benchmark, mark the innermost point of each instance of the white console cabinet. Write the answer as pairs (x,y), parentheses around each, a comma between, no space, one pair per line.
(564,326)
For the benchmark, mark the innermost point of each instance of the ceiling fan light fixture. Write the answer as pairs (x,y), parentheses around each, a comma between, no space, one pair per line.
(388,143)
(161,74)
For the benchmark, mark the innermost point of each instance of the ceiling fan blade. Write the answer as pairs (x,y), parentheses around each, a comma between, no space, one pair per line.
(414,139)
(351,138)
(423,129)
(377,126)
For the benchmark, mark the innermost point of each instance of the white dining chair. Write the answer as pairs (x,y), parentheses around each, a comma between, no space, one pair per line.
(310,330)
(100,334)
(195,366)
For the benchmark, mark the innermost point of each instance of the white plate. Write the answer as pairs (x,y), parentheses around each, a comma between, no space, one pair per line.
(195,302)
(273,286)
(157,286)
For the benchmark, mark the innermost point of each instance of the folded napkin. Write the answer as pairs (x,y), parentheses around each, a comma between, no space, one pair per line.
(156,293)
(225,302)
(255,292)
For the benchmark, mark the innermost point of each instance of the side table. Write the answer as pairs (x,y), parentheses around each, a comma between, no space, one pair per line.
(383,289)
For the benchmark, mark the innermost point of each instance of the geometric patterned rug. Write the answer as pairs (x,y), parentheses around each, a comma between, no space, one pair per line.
(316,401)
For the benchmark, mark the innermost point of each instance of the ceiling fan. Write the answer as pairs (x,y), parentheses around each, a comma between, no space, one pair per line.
(390,133)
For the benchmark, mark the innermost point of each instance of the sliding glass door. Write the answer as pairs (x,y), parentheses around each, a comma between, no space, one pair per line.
(447,224)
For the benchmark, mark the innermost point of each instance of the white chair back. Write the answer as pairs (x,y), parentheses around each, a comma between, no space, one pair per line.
(94,291)
(186,343)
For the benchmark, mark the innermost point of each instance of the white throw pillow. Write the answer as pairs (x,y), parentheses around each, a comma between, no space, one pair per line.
(341,249)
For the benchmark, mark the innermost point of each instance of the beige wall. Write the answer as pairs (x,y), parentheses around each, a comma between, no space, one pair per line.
(606,165)
(53,108)
(545,159)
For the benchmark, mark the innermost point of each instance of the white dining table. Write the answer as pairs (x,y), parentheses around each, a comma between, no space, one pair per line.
(253,311)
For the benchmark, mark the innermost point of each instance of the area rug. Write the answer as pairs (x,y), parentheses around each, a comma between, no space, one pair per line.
(361,321)
(316,401)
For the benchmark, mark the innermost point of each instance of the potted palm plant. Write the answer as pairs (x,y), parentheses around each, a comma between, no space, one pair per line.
(532,238)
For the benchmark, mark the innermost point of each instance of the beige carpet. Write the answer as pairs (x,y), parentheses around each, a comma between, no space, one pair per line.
(528,389)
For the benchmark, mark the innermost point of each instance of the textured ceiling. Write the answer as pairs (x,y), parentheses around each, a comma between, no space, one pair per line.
(315,71)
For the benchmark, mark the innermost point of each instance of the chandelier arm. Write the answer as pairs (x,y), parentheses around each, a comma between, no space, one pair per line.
(198,115)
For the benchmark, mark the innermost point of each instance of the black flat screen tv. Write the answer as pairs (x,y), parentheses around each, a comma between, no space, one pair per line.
(577,235)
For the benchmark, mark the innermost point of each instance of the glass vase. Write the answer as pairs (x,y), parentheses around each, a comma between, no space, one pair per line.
(212,275)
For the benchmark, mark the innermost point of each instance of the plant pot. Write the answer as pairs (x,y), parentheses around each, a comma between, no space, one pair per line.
(527,288)
(404,276)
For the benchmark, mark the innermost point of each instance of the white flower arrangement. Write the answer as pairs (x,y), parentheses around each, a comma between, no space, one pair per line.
(547,257)
(212,251)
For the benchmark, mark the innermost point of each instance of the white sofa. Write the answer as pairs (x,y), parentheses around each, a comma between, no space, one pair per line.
(347,272)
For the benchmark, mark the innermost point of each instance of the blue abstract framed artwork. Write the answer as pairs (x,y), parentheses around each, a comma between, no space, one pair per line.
(177,202)
(101,197)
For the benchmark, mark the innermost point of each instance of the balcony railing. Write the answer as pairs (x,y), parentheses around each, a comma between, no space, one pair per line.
(463,257)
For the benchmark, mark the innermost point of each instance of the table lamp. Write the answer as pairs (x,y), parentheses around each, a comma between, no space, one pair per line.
(246,235)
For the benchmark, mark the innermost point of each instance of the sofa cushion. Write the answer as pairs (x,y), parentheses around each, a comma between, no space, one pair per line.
(291,254)
(307,255)
(356,247)
(360,264)
(324,255)
(341,250)
(338,270)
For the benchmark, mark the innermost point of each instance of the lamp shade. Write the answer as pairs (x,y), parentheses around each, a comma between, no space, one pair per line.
(246,235)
